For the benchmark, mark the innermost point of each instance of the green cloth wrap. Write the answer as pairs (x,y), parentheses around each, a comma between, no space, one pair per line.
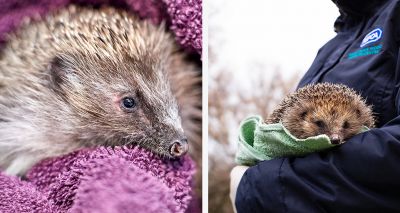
(259,141)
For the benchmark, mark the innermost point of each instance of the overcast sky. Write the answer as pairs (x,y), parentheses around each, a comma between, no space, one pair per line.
(266,33)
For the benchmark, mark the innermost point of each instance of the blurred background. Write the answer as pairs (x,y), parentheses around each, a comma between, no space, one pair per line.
(258,51)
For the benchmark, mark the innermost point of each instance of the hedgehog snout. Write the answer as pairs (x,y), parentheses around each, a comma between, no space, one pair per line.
(335,139)
(179,147)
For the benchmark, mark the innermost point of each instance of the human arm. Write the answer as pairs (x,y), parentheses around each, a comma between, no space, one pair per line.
(361,175)
(236,175)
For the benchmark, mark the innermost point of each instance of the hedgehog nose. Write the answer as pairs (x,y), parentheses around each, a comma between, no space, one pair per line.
(179,147)
(335,139)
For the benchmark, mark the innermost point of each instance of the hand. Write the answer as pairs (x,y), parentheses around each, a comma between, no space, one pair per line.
(236,175)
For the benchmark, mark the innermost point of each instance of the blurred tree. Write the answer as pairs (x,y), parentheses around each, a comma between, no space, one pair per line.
(229,103)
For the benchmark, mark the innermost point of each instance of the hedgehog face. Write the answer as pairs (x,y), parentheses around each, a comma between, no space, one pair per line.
(338,121)
(338,128)
(121,103)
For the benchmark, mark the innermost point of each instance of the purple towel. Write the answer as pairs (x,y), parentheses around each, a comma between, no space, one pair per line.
(102,180)
(183,16)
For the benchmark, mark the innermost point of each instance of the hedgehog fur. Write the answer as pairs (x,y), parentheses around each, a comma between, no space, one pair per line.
(324,108)
(63,78)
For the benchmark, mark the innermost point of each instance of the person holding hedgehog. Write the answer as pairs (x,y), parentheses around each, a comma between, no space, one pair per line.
(361,175)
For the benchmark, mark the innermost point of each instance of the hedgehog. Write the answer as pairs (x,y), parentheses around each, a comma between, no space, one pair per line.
(324,108)
(84,77)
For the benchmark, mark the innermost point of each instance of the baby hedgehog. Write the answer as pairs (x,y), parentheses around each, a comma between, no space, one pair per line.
(83,77)
(324,108)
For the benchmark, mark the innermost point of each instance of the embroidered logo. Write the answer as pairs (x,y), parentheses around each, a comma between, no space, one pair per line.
(371,37)
(365,51)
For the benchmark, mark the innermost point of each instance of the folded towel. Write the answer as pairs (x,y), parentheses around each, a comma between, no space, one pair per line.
(259,141)
(102,180)
(183,17)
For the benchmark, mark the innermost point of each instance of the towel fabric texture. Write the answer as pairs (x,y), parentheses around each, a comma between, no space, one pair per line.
(259,141)
(102,180)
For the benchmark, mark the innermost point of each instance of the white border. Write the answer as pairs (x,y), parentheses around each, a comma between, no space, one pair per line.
(205,106)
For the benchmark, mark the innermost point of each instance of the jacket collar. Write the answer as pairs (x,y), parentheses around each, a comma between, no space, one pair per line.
(358,8)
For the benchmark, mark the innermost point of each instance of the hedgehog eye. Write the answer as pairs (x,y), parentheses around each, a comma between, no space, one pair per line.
(128,104)
(319,123)
(303,114)
(345,125)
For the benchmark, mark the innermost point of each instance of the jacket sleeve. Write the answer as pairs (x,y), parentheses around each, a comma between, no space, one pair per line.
(362,175)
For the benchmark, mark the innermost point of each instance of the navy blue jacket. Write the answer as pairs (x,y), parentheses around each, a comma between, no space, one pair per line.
(362,175)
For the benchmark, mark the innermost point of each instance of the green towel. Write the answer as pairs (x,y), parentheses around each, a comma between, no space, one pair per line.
(259,141)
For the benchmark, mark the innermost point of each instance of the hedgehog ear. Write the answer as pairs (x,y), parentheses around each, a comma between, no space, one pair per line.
(58,73)
(358,112)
